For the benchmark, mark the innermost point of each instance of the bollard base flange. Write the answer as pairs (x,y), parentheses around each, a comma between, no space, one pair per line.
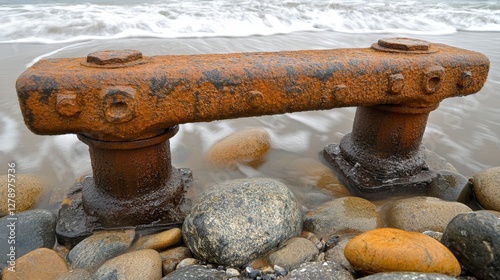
(365,183)
(74,223)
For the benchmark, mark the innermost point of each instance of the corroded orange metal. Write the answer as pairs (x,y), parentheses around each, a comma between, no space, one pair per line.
(116,100)
(140,96)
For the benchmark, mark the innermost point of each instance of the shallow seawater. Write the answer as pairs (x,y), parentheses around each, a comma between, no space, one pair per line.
(463,130)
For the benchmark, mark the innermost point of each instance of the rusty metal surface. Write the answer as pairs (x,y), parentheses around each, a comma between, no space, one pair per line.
(133,97)
(126,106)
(382,156)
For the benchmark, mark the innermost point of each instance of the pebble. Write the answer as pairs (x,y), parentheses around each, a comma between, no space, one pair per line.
(279,271)
(343,215)
(187,262)
(237,221)
(434,234)
(142,264)
(159,241)
(232,272)
(28,192)
(336,253)
(408,276)
(246,146)
(293,252)
(450,186)
(41,263)
(99,247)
(33,229)
(320,270)
(423,213)
(172,257)
(389,250)
(196,272)
(487,188)
(474,238)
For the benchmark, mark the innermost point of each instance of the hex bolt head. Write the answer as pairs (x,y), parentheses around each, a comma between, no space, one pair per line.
(431,80)
(119,104)
(404,44)
(396,83)
(108,57)
(67,104)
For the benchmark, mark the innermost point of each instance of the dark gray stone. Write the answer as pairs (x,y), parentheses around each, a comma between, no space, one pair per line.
(99,247)
(196,272)
(407,276)
(450,186)
(319,270)
(237,221)
(474,238)
(33,229)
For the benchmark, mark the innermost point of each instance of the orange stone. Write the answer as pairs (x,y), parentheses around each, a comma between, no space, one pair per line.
(41,263)
(389,249)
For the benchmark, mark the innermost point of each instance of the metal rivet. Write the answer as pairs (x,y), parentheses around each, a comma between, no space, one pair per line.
(396,83)
(340,91)
(119,104)
(255,98)
(67,104)
(466,79)
(431,80)
(113,57)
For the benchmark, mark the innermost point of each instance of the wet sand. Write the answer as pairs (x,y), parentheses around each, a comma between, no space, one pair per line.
(463,130)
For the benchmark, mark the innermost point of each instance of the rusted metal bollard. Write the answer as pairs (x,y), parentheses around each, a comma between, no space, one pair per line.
(126,107)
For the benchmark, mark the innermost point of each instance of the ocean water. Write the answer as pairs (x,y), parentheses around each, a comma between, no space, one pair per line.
(465,130)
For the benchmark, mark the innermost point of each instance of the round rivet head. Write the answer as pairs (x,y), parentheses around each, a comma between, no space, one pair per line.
(431,80)
(119,104)
(113,57)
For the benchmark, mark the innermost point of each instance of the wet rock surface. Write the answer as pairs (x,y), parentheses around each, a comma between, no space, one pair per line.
(450,186)
(389,249)
(143,264)
(39,264)
(343,215)
(319,270)
(293,252)
(423,213)
(172,257)
(336,253)
(407,276)
(487,188)
(474,238)
(196,272)
(246,146)
(237,221)
(32,229)
(28,191)
(99,247)
(158,241)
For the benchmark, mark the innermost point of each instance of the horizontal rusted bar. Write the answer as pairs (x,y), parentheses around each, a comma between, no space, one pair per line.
(137,97)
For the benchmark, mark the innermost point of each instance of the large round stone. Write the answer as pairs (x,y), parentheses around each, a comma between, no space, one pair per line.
(487,188)
(474,238)
(390,249)
(28,190)
(423,213)
(142,264)
(237,221)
